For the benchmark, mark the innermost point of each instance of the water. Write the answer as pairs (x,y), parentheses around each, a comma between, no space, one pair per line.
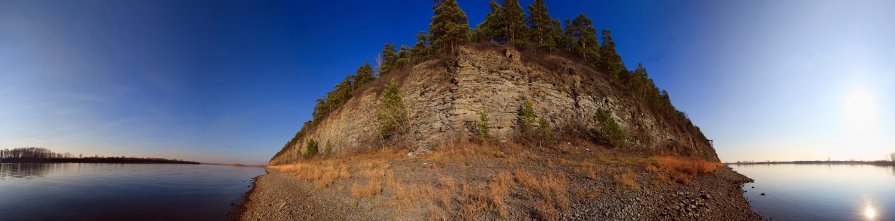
(71,191)
(821,192)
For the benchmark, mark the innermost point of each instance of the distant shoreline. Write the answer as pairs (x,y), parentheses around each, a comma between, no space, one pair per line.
(99,160)
(819,162)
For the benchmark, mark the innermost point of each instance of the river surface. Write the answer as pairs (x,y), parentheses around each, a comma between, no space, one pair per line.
(73,191)
(821,192)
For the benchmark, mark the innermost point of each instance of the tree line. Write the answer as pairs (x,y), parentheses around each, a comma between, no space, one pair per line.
(44,155)
(506,24)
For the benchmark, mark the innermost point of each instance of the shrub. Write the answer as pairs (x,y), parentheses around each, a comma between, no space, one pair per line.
(545,130)
(310,149)
(610,130)
(483,131)
(392,114)
(527,117)
(328,151)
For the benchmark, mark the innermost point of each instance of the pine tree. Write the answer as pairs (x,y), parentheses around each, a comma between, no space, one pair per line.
(449,27)
(403,57)
(420,50)
(610,61)
(388,59)
(546,32)
(513,22)
(364,74)
(490,28)
(582,38)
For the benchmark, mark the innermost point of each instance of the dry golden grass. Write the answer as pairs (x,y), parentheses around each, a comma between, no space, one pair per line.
(551,190)
(500,190)
(366,191)
(627,179)
(682,169)
(506,188)
(321,175)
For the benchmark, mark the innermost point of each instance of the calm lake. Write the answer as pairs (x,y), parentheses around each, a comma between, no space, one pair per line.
(72,191)
(821,192)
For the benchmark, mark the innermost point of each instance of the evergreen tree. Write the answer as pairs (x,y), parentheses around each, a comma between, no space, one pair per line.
(388,59)
(513,23)
(490,28)
(364,74)
(610,61)
(449,27)
(546,32)
(403,57)
(420,50)
(582,38)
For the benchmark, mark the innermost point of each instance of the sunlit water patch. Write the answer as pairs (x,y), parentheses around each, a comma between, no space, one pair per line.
(821,192)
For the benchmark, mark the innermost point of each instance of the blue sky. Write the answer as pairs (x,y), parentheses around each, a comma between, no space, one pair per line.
(231,81)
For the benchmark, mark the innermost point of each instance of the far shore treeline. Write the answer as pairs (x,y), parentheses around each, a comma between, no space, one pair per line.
(44,155)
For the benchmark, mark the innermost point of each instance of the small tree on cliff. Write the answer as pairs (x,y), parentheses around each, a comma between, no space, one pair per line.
(310,149)
(609,129)
(483,126)
(392,114)
(449,27)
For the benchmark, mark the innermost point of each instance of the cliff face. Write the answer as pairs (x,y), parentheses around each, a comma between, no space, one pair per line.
(444,97)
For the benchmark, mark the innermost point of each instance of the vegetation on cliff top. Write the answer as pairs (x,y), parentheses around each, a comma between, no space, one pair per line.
(506,24)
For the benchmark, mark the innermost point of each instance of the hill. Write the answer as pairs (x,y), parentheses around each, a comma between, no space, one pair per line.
(442,166)
(520,118)
(446,97)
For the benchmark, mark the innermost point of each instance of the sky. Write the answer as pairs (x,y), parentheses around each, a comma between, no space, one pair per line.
(232,81)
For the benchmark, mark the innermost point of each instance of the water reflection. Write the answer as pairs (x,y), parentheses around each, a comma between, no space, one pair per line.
(821,192)
(870,213)
(28,170)
(133,192)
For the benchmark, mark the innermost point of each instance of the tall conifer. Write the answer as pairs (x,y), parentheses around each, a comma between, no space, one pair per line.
(610,61)
(449,27)
(388,59)
(420,50)
(545,32)
(364,74)
(513,23)
(490,28)
(582,38)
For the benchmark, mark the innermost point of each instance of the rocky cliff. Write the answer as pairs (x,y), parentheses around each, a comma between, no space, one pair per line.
(444,96)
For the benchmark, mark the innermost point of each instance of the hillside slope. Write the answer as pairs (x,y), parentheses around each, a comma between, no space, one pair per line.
(445,96)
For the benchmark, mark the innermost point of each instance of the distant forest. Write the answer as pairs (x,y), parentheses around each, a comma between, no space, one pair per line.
(888,161)
(43,155)
(507,24)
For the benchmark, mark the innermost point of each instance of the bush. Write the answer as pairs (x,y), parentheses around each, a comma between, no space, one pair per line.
(610,130)
(310,149)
